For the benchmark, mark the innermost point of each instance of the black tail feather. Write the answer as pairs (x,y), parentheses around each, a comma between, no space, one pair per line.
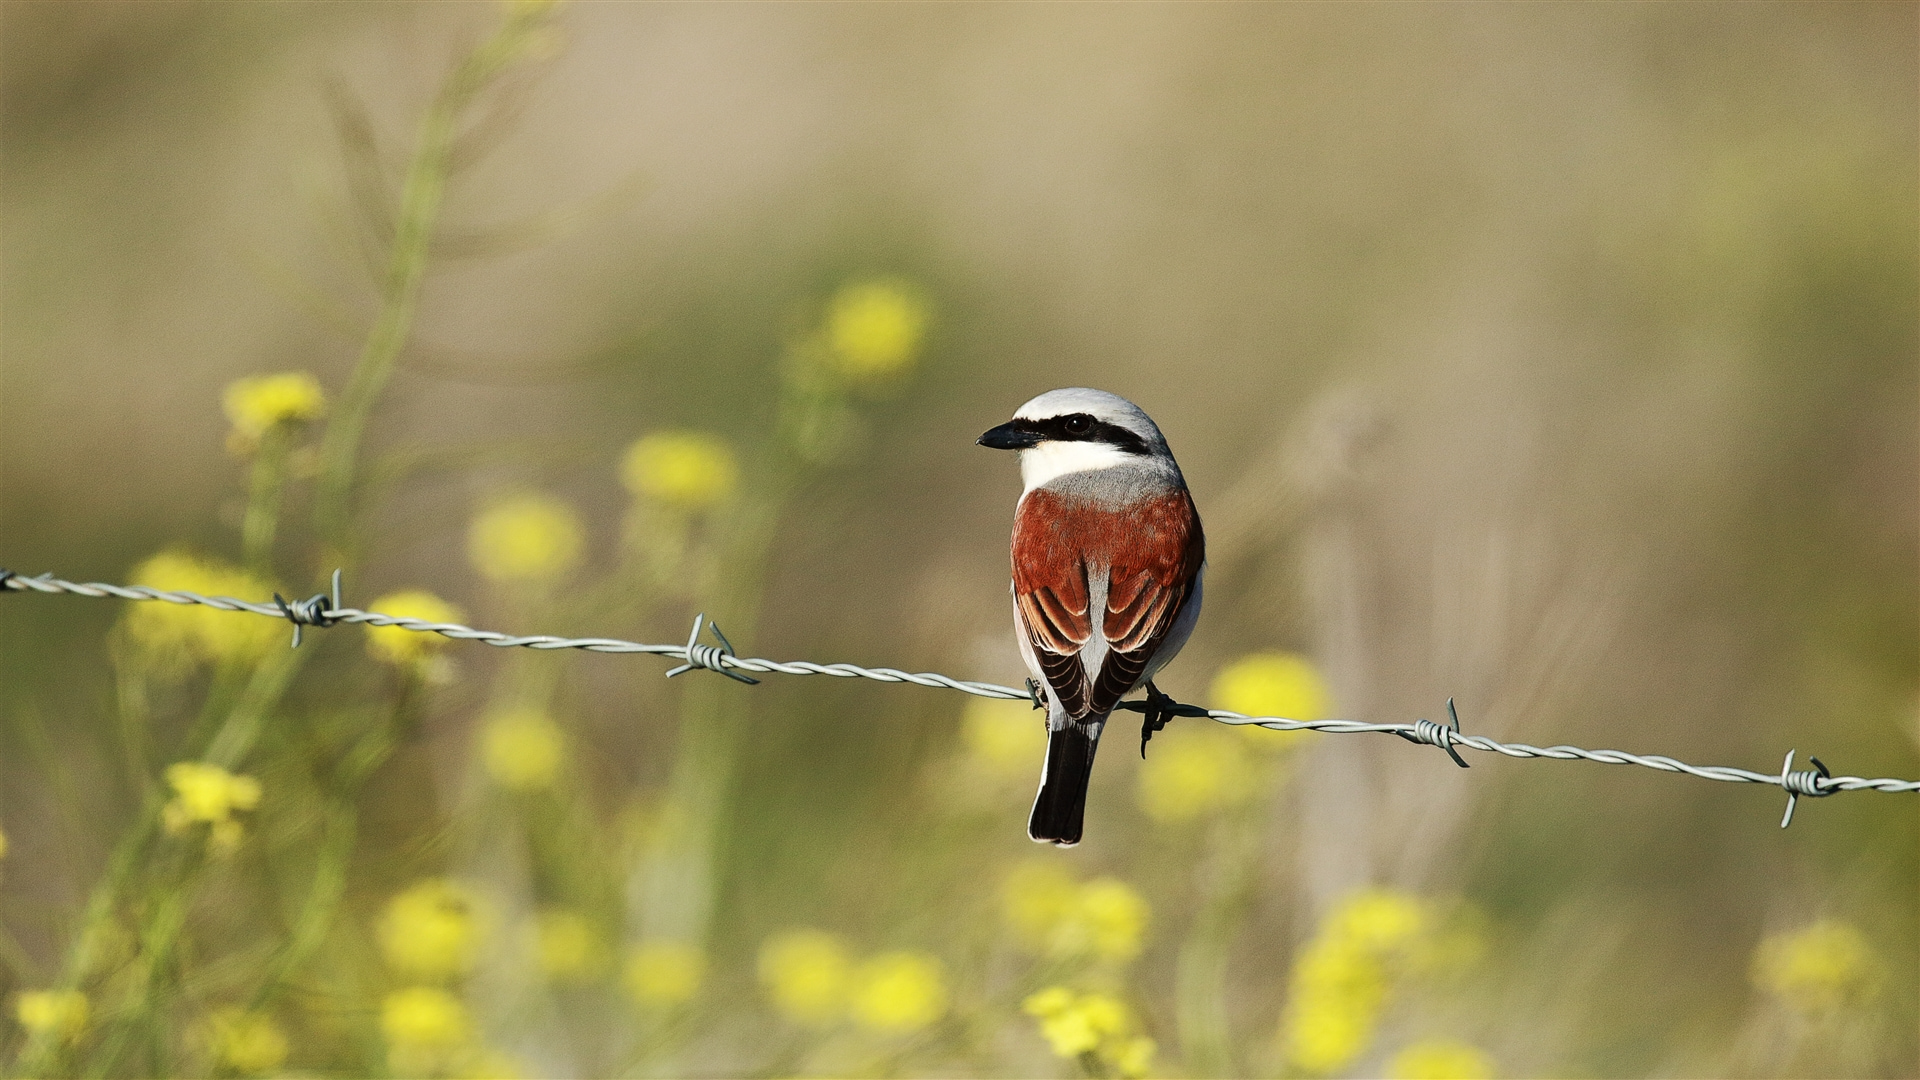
(1061,805)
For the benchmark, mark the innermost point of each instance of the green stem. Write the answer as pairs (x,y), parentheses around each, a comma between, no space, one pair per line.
(1200,977)
(263,501)
(41,1054)
(172,892)
(130,685)
(400,296)
(328,886)
(324,894)
(421,194)
(165,922)
(229,681)
(680,881)
(235,739)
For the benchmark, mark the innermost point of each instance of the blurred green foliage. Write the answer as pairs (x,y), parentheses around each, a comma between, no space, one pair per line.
(1560,358)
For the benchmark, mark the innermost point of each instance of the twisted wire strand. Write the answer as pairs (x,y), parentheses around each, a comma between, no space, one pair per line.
(323,610)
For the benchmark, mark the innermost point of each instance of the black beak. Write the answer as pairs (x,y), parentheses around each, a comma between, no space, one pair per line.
(1009,436)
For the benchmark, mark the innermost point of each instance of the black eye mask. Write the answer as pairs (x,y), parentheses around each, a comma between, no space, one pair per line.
(1020,434)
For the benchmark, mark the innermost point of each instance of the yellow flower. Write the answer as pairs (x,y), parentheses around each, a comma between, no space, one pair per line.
(396,645)
(1819,968)
(425,1027)
(205,792)
(1278,684)
(245,1042)
(1052,1001)
(1342,977)
(525,537)
(1048,911)
(208,794)
(59,1013)
(1108,920)
(1009,737)
(1327,1034)
(1440,1059)
(665,973)
(806,973)
(1079,1029)
(1198,771)
(173,636)
(1340,971)
(431,931)
(260,402)
(1035,899)
(522,749)
(565,945)
(1378,920)
(1133,1057)
(688,469)
(874,328)
(899,992)
(1071,1024)
(1099,1024)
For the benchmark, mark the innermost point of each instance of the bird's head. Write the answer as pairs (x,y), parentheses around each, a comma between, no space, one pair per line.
(1078,430)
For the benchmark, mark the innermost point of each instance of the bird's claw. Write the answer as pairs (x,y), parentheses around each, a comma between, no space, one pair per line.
(1159,710)
(1033,691)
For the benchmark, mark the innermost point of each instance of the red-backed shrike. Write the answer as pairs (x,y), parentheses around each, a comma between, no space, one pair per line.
(1107,561)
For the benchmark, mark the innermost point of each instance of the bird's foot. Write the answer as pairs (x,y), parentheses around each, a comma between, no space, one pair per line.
(1033,691)
(1159,710)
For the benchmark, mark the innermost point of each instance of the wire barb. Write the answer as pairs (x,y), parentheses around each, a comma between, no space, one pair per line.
(1440,735)
(711,657)
(315,610)
(1808,782)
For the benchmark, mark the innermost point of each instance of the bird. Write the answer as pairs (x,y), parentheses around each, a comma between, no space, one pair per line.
(1108,562)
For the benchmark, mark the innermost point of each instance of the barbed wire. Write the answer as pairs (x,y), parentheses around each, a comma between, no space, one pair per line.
(325,610)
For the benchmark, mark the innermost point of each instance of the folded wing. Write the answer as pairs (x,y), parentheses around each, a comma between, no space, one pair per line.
(1152,552)
(1057,625)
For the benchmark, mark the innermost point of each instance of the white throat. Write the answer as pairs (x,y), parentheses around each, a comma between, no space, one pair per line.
(1042,464)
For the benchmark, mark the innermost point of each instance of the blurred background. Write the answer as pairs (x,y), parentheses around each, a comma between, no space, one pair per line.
(1557,358)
